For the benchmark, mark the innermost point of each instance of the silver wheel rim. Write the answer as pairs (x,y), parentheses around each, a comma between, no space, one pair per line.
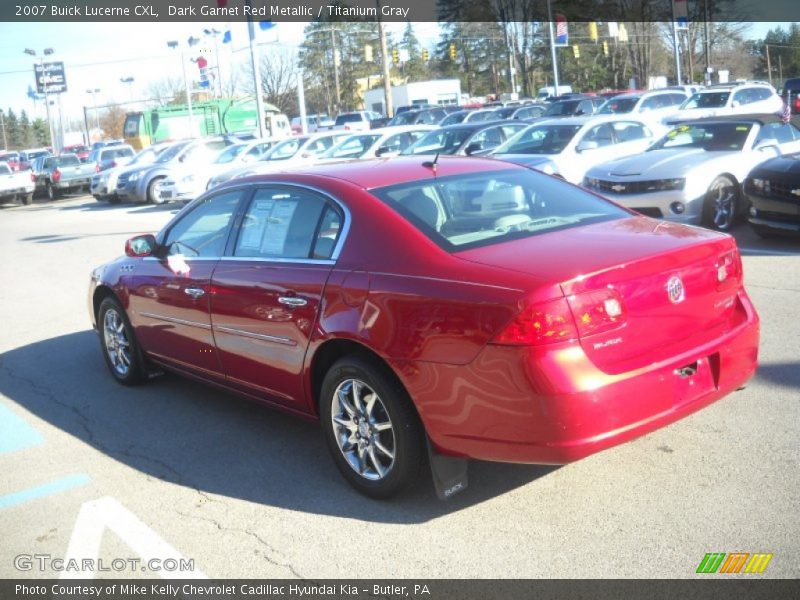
(724,204)
(118,347)
(363,429)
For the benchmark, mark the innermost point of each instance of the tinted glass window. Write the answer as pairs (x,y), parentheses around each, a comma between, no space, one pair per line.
(618,105)
(282,223)
(780,132)
(629,131)
(285,149)
(352,147)
(204,231)
(454,118)
(479,209)
(68,160)
(711,136)
(442,141)
(707,100)
(540,139)
(349,118)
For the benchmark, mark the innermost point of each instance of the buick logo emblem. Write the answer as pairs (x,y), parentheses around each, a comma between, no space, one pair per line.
(675,290)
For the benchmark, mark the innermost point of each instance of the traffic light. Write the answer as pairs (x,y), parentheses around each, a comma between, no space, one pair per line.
(605,47)
(593,31)
(576,51)
(424,55)
(395,56)
(368,53)
(453,52)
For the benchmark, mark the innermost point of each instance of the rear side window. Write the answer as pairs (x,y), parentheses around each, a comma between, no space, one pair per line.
(284,223)
(348,118)
(479,209)
(68,160)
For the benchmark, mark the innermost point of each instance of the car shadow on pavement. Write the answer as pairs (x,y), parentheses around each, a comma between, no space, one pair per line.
(786,374)
(55,238)
(196,436)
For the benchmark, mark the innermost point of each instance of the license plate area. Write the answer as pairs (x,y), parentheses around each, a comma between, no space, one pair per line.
(695,379)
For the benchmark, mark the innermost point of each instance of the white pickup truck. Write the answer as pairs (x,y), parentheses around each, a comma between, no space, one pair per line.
(15,185)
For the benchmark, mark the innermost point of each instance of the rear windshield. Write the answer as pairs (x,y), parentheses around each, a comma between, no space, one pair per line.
(68,160)
(721,137)
(539,139)
(618,106)
(558,109)
(348,118)
(4,169)
(480,209)
(117,152)
(442,141)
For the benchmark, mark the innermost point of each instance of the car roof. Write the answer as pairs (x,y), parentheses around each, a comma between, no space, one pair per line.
(374,173)
(761,119)
(478,124)
(587,119)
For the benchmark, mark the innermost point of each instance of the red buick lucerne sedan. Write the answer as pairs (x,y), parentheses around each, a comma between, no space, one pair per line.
(429,312)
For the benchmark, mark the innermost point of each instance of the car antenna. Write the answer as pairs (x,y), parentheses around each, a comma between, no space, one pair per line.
(431,164)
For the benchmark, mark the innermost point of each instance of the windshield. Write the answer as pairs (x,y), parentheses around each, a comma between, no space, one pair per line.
(286,149)
(169,153)
(441,141)
(230,153)
(707,100)
(482,115)
(4,168)
(559,109)
(348,118)
(539,139)
(478,209)
(618,106)
(406,118)
(721,137)
(352,147)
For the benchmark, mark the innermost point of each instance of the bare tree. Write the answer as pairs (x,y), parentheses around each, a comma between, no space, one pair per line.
(278,79)
(167,90)
(112,121)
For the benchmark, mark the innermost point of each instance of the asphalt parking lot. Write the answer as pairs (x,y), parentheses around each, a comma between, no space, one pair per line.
(172,469)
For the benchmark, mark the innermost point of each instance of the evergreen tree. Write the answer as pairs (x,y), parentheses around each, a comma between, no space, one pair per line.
(13,136)
(414,69)
(41,133)
(25,131)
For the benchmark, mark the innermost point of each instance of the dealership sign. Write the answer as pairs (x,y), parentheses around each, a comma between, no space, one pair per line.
(50,78)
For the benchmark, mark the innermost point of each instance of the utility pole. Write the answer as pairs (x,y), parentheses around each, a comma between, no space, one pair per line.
(256,68)
(769,65)
(336,69)
(3,127)
(553,48)
(707,42)
(387,85)
(301,101)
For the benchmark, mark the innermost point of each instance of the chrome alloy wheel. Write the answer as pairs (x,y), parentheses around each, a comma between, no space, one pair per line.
(363,429)
(117,345)
(723,197)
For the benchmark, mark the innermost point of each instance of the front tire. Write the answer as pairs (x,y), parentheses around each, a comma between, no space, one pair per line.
(721,204)
(152,196)
(117,339)
(371,428)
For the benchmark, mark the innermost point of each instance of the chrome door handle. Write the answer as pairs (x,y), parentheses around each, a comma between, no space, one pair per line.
(194,292)
(292,301)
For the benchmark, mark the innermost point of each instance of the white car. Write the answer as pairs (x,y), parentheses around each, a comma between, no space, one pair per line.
(299,150)
(358,120)
(384,142)
(571,146)
(694,173)
(188,184)
(655,103)
(729,99)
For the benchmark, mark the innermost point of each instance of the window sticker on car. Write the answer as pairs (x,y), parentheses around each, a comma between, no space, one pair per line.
(742,128)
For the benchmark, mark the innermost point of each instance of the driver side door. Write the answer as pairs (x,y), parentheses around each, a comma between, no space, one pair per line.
(170,293)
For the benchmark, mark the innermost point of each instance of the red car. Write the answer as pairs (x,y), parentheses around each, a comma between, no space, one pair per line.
(458,308)
(80,150)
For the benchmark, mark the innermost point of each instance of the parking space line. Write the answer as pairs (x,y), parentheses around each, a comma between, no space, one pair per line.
(15,433)
(47,489)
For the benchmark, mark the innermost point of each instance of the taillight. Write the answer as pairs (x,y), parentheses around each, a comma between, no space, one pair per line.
(542,323)
(96,167)
(797,104)
(729,269)
(56,176)
(33,177)
(597,311)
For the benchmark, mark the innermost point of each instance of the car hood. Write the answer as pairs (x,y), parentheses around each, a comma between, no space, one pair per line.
(789,164)
(662,163)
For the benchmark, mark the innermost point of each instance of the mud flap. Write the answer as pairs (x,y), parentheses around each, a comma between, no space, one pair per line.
(449,473)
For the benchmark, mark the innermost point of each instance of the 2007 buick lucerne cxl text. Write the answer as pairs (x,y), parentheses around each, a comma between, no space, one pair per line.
(429,311)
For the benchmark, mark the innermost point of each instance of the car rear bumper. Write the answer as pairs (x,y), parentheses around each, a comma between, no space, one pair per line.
(552,405)
(72,183)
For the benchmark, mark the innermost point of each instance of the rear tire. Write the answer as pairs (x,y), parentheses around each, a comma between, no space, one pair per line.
(26,199)
(113,199)
(371,428)
(118,342)
(50,191)
(721,204)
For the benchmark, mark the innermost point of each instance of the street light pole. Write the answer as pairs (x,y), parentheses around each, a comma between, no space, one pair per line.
(254,59)
(174,46)
(129,81)
(40,59)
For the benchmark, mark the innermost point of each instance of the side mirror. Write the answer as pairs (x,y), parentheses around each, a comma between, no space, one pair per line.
(586,145)
(140,246)
(473,147)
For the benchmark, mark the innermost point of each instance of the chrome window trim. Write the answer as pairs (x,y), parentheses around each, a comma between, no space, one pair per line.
(253,186)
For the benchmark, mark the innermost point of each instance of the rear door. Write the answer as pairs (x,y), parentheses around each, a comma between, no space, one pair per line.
(268,290)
